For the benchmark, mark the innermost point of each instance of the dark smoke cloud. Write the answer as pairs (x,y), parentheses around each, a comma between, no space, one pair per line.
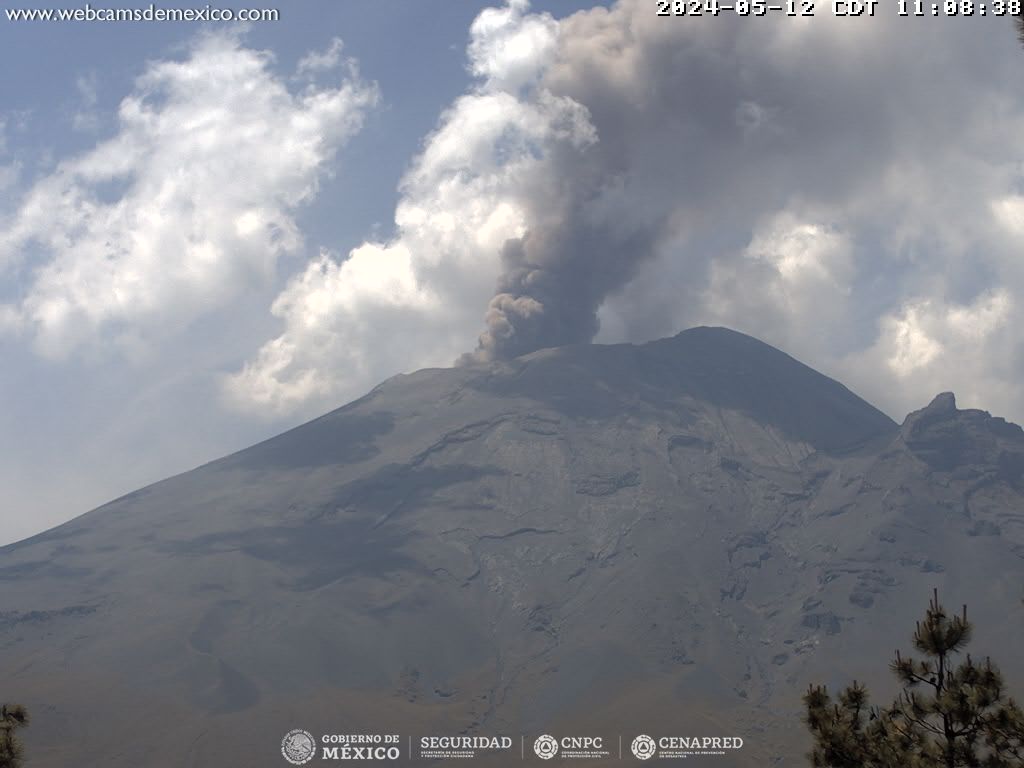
(849,189)
(555,279)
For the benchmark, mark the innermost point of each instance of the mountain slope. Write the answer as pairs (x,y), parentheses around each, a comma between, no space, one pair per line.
(673,537)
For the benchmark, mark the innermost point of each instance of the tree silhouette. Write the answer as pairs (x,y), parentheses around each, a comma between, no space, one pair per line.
(12,717)
(945,716)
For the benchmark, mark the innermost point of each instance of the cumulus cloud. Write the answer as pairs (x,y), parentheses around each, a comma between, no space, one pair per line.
(802,265)
(416,300)
(811,182)
(321,61)
(191,200)
(931,343)
(330,310)
(509,48)
(846,188)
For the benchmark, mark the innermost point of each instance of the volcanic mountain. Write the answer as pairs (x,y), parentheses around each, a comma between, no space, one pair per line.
(674,538)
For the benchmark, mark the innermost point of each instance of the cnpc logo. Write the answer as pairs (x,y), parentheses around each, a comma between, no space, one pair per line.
(547,746)
(643,747)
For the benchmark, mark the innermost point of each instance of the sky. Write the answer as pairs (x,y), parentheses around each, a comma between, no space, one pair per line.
(213,231)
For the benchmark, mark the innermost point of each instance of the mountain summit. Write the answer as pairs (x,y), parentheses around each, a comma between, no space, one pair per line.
(670,538)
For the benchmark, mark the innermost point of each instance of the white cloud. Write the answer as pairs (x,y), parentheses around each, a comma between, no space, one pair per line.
(315,62)
(191,201)
(330,311)
(930,345)
(819,189)
(510,48)
(792,179)
(417,299)
(793,275)
(1009,213)
(802,252)
(908,344)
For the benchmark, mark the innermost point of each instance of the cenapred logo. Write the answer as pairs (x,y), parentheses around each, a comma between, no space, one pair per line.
(643,747)
(546,747)
(680,747)
(298,746)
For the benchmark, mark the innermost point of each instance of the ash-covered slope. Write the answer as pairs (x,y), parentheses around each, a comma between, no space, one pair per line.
(668,538)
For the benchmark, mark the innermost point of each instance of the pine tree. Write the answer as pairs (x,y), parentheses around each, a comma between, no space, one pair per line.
(12,717)
(946,716)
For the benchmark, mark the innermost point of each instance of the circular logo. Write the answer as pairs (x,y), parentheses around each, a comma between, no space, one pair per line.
(298,746)
(644,747)
(546,747)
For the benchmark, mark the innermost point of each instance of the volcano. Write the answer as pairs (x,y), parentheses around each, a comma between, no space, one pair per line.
(671,538)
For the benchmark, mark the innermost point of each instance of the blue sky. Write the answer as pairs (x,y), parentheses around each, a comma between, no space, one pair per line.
(212,232)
